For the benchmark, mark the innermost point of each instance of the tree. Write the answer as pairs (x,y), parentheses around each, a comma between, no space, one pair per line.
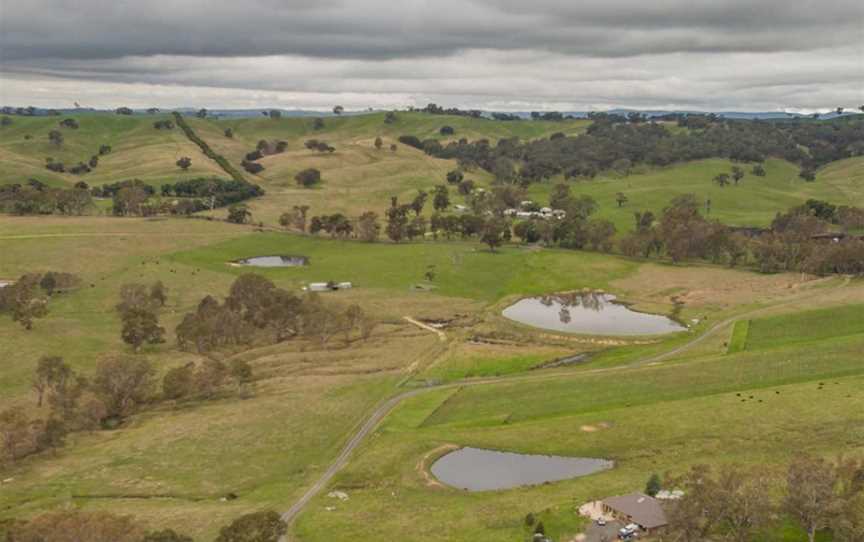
(722,179)
(737,174)
(52,373)
(274,114)
(123,384)
(201,113)
(308,177)
(15,435)
(758,170)
(743,502)
(693,516)
(318,124)
(379,143)
(653,486)
(397,221)
(621,199)
(495,232)
(123,111)
(229,133)
(393,147)
(390,117)
(441,198)
(446,130)
(419,202)
(255,527)
(368,227)
(184,163)
(55,137)
(239,214)
(27,301)
(338,110)
(810,498)
(179,382)
(51,435)
(157,293)
(141,326)
(454,177)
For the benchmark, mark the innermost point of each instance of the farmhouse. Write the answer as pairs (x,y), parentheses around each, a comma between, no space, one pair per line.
(644,511)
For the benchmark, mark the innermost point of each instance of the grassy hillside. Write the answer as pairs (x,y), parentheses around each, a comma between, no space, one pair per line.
(754,202)
(357,177)
(138,150)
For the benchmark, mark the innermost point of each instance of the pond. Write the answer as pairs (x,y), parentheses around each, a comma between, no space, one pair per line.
(476,469)
(591,313)
(274,261)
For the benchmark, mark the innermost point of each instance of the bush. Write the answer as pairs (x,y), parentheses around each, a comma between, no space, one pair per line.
(411,141)
(308,177)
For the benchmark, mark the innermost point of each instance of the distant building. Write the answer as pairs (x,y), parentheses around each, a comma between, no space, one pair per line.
(644,511)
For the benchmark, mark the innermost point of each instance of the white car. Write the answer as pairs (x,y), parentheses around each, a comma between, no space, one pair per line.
(601,522)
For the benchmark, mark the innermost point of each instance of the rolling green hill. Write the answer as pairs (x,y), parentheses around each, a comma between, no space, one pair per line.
(138,150)
(357,177)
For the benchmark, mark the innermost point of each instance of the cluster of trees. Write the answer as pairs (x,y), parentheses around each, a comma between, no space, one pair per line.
(79,525)
(139,313)
(738,503)
(266,148)
(798,240)
(36,198)
(606,143)
(56,138)
(27,298)
(435,109)
(256,311)
(163,125)
(133,197)
(318,145)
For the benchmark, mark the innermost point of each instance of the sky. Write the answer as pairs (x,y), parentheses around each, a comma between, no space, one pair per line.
(505,55)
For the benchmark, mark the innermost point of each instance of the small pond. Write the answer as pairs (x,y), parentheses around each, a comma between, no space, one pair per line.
(275,261)
(591,313)
(476,469)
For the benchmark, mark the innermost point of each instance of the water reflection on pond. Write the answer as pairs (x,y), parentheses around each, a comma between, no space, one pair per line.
(476,469)
(275,261)
(593,313)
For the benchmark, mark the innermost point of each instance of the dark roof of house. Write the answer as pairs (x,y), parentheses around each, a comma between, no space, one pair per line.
(643,510)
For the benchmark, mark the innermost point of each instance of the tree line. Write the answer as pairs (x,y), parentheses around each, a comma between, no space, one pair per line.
(606,142)
(79,526)
(738,503)
(258,312)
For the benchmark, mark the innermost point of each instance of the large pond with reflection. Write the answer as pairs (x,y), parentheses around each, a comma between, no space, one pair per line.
(274,261)
(592,313)
(476,469)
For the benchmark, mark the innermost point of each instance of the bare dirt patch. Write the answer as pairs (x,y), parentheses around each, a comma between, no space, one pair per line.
(429,458)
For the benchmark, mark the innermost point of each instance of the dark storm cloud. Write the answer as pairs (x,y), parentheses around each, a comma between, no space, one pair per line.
(505,54)
(374,29)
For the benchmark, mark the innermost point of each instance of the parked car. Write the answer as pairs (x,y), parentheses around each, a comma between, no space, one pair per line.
(601,522)
(628,532)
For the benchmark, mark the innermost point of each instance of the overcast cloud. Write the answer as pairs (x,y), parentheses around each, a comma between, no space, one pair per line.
(499,55)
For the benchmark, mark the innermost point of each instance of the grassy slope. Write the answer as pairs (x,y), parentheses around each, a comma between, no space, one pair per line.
(138,150)
(753,203)
(356,177)
(652,419)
